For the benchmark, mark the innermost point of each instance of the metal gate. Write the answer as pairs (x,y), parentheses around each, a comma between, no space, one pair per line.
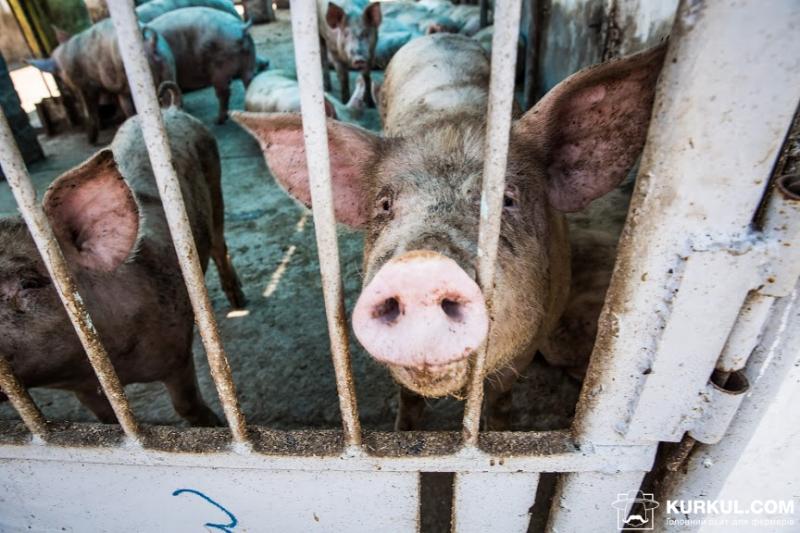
(708,233)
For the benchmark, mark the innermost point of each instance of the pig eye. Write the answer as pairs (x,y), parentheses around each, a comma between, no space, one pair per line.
(510,199)
(33,283)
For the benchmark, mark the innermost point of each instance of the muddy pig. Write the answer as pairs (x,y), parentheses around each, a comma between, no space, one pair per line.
(110,225)
(258,11)
(90,65)
(155,8)
(211,48)
(416,192)
(348,32)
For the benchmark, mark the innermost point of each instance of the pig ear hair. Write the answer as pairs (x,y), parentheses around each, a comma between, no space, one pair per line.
(351,148)
(45,65)
(590,128)
(372,14)
(334,15)
(94,214)
(62,36)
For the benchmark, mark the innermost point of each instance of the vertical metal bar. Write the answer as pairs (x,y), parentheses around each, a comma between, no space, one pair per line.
(22,401)
(484,12)
(501,97)
(39,227)
(532,47)
(140,79)
(493,501)
(309,77)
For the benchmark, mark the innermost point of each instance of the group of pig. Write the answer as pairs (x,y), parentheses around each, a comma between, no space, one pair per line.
(191,43)
(414,190)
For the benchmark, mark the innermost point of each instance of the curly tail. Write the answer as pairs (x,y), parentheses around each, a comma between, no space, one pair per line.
(169,94)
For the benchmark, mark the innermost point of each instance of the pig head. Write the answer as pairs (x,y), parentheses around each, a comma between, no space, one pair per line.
(416,193)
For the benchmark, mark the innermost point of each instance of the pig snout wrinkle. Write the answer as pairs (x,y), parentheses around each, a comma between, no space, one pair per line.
(421,310)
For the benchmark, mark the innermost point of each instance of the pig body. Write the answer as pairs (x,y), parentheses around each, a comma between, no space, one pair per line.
(348,32)
(277,91)
(258,11)
(90,65)
(116,242)
(211,48)
(155,8)
(464,19)
(416,192)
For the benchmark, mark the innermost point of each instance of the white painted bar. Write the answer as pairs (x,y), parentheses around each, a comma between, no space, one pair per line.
(493,502)
(49,496)
(498,127)
(143,91)
(715,134)
(312,105)
(21,186)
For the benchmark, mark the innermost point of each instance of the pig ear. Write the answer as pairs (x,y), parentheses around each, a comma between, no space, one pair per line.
(351,148)
(334,16)
(45,65)
(590,128)
(62,36)
(372,14)
(94,214)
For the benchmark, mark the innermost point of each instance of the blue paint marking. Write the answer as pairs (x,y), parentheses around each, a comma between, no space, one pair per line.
(227,528)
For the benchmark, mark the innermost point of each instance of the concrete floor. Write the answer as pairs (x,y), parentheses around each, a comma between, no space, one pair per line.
(279,351)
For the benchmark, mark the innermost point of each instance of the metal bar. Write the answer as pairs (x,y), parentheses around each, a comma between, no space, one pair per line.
(501,98)
(39,227)
(532,51)
(309,77)
(143,90)
(484,12)
(22,401)
(711,178)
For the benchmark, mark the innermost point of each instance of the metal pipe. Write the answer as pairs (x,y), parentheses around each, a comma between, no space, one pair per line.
(39,227)
(498,126)
(22,401)
(140,79)
(309,77)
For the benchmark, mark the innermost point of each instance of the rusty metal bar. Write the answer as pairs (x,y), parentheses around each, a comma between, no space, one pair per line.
(501,98)
(22,401)
(143,91)
(309,77)
(39,227)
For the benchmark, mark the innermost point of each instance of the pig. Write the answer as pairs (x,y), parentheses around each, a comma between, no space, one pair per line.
(277,91)
(110,225)
(258,11)
(155,8)
(210,48)
(348,32)
(416,193)
(464,19)
(89,65)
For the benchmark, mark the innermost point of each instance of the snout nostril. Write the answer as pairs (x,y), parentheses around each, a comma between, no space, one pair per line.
(452,309)
(387,311)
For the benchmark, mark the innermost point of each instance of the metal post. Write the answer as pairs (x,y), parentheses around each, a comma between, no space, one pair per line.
(309,77)
(39,227)
(22,401)
(501,98)
(140,79)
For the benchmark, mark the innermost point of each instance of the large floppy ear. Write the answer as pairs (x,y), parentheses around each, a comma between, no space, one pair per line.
(590,128)
(334,16)
(48,65)
(372,14)
(94,214)
(351,149)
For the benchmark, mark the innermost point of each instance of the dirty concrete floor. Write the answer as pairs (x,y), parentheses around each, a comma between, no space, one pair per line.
(279,351)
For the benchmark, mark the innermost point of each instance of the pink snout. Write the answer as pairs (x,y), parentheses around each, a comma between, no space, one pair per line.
(421,310)
(359,64)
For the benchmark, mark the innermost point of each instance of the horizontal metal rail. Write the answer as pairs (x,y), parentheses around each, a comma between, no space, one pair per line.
(22,401)
(501,98)
(143,91)
(24,193)
(305,34)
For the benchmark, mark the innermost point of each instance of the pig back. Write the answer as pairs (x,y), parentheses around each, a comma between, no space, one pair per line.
(196,160)
(436,79)
(91,59)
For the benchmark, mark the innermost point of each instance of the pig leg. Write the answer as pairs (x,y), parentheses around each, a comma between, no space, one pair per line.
(89,98)
(343,74)
(326,66)
(497,407)
(92,397)
(185,394)
(368,100)
(219,248)
(409,411)
(222,86)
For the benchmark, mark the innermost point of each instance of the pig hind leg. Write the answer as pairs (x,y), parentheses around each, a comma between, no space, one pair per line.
(89,99)
(222,86)
(185,394)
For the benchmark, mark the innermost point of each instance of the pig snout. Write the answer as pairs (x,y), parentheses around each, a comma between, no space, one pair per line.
(359,63)
(421,312)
